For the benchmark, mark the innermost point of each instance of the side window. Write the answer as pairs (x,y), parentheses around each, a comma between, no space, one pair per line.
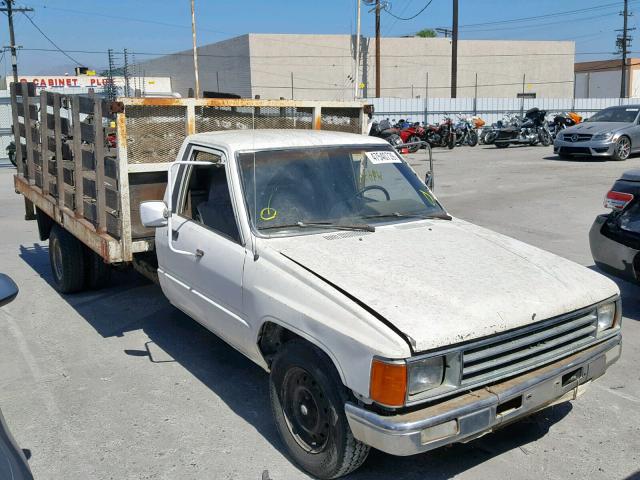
(206,198)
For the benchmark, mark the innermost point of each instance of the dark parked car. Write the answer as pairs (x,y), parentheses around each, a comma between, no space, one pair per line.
(13,462)
(615,237)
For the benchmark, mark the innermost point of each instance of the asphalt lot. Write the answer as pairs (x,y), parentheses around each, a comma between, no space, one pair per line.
(117,384)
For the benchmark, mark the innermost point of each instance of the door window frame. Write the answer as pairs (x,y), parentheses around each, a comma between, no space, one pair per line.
(182,182)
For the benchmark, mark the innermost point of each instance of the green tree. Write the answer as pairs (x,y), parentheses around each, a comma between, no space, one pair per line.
(427,33)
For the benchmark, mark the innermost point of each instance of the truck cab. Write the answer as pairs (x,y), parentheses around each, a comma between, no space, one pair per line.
(383,321)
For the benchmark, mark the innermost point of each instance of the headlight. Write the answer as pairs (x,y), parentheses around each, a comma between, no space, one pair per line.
(607,315)
(425,374)
(602,136)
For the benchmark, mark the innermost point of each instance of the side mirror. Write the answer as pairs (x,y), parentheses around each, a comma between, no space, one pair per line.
(428,180)
(153,214)
(8,289)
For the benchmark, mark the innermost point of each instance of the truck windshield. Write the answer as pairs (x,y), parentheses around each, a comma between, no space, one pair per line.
(616,114)
(293,188)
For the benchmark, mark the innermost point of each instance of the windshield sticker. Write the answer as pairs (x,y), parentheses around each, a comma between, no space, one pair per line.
(382,157)
(428,197)
(632,109)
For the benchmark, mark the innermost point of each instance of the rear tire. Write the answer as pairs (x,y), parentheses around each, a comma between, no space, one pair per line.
(98,273)
(307,402)
(66,255)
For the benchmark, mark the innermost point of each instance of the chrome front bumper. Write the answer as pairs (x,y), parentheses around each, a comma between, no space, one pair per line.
(469,416)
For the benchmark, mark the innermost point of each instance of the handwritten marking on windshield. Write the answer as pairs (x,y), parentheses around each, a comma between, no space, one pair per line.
(428,196)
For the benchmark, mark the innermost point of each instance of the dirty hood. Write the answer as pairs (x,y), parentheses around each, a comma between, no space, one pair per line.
(444,282)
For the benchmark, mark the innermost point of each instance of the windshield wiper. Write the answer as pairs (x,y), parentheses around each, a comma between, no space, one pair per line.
(335,226)
(440,216)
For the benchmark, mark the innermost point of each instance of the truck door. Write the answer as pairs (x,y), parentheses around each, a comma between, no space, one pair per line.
(205,279)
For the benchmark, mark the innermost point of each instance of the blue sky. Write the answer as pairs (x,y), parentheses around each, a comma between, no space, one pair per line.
(158,26)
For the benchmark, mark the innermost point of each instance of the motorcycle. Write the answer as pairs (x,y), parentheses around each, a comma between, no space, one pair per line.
(488,134)
(532,130)
(562,121)
(412,134)
(466,133)
(441,135)
(383,129)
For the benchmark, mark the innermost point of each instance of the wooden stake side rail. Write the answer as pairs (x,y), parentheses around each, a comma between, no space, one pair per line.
(66,169)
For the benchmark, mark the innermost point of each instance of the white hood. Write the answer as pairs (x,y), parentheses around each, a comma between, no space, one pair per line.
(443,282)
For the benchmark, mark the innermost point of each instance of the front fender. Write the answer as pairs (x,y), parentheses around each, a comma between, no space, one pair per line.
(278,290)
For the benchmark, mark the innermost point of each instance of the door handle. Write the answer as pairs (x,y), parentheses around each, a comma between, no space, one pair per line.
(174,235)
(199,253)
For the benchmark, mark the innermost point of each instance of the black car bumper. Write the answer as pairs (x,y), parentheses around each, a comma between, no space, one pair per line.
(612,256)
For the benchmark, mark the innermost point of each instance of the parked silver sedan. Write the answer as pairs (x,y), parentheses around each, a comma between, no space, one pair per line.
(613,132)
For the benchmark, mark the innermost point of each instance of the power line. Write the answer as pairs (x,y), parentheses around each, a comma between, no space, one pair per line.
(408,18)
(548,15)
(51,41)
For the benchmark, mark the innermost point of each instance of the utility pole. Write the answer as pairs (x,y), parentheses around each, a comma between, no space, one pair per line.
(12,38)
(356,76)
(195,49)
(377,48)
(623,42)
(454,51)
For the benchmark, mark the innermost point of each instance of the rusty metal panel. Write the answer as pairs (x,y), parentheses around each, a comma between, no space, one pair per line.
(341,119)
(213,118)
(155,133)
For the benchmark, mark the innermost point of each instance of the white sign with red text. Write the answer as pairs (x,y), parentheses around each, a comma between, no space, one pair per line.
(147,84)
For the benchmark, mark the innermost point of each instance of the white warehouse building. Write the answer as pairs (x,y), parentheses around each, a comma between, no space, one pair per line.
(321,67)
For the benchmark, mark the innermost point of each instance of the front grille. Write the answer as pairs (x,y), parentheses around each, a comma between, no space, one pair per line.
(575,150)
(516,352)
(576,137)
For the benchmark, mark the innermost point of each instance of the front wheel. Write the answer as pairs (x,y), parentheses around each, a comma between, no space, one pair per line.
(452,141)
(307,402)
(545,138)
(622,149)
(414,139)
(472,138)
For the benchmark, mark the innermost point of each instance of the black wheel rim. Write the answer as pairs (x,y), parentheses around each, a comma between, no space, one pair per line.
(306,410)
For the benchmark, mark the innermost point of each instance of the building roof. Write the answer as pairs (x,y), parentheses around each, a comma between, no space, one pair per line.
(270,139)
(603,65)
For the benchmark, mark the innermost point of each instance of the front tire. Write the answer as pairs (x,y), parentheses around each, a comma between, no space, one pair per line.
(622,149)
(307,402)
(472,138)
(66,255)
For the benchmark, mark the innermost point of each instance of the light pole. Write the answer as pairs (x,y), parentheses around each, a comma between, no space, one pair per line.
(195,49)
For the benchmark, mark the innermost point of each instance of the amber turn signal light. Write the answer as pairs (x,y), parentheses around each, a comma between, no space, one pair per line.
(388,383)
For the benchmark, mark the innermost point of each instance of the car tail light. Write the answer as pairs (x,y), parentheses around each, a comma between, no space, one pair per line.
(617,200)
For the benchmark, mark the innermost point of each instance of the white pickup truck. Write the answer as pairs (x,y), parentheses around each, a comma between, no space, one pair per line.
(384,322)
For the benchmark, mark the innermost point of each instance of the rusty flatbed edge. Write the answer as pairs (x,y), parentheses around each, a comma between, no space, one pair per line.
(237,102)
(108,247)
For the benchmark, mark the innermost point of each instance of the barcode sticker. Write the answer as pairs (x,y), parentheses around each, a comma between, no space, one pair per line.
(383,157)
